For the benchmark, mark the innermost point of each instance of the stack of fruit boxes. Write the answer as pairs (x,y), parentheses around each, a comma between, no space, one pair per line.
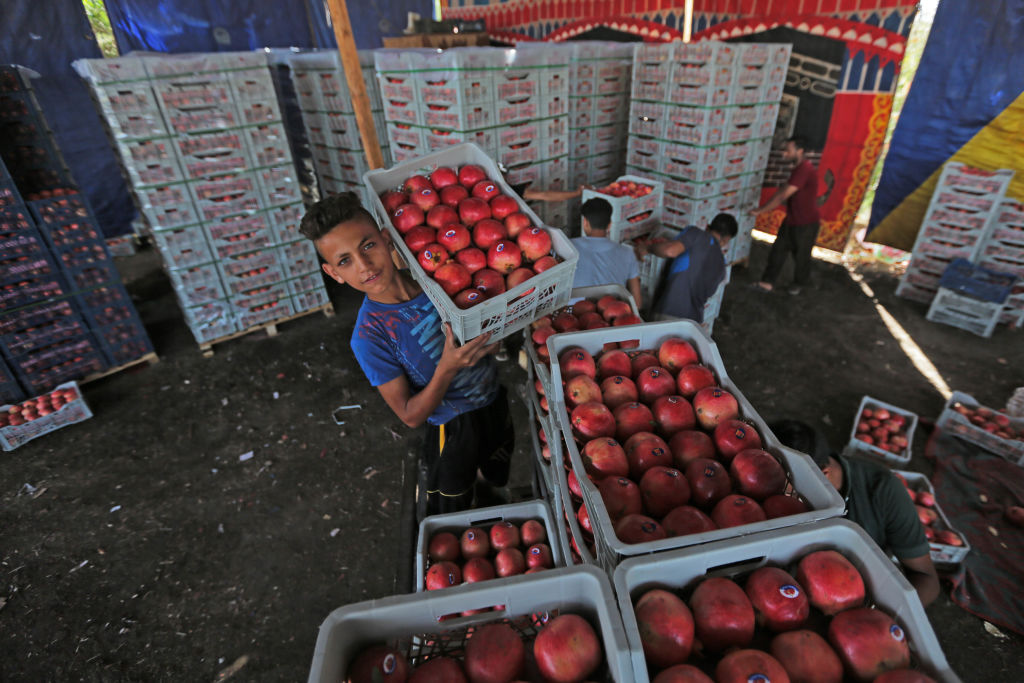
(512,104)
(961,215)
(702,117)
(326,105)
(1003,251)
(58,319)
(202,143)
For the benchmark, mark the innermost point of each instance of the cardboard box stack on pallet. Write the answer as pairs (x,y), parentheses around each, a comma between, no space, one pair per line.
(330,122)
(202,144)
(702,119)
(960,216)
(512,104)
(64,313)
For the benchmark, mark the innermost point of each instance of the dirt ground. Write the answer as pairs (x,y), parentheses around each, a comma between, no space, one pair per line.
(150,550)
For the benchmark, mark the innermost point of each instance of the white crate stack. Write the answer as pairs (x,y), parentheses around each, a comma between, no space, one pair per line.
(204,149)
(599,82)
(512,104)
(326,105)
(962,212)
(1003,250)
(702,118)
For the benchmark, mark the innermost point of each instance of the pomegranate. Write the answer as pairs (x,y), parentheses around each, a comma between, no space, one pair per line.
(869,642)
(663,489)
(714,405)
(743,666)
(495,654)
(722,613)
(832,583)
(685,520)
(567,649)
(379,664)
(778,599)
(807,657)
(666,628)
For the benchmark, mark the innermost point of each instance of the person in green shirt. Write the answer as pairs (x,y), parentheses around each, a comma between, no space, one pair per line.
(875,500)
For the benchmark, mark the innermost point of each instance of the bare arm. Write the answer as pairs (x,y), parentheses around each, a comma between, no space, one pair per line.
(668,249)
(414,409)
(922,576)
(776,201)
(552,195)
(633,285)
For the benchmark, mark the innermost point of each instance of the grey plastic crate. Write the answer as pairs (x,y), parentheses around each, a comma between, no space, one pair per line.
(960,427)
(457,522)
(886,587)
(823,499)
(14,436)
(858,447)
(412,622)
(940,552)
(973,315)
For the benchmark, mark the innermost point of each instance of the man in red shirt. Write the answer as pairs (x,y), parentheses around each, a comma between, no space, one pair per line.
(800,228)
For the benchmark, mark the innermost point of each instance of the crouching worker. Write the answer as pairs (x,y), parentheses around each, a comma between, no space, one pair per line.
(695,271)
(875,499)
(416,364)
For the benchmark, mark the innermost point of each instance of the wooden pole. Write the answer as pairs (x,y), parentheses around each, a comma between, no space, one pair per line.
(687,20)
(356,86)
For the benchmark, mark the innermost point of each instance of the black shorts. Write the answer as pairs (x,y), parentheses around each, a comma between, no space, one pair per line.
(482,440)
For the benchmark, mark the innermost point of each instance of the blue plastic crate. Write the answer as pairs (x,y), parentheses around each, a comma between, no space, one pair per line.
(123,341)
(10,390)
(40,335)
(963,277)
(15,218)
(97,300)
(58,209)
(15,321)
(33,263)
(44,368)
(32,290)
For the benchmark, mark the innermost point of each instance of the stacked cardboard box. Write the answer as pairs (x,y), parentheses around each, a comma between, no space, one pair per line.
(513,104)
(203,146)
(701,120)
(962,213)
(329,120)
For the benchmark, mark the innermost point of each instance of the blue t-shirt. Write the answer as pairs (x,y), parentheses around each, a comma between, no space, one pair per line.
(603,262)
(692,277)
(395,339)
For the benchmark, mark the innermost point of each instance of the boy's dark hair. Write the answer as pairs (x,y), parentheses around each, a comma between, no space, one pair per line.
(802,437)
(798,142)
(327,213)
(598,212)
(725,225)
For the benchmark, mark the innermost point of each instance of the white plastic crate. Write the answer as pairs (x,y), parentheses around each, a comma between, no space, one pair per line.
(886,587)
(13,436)
(569,523)
(593,293)
(626,208)
(412,622)
(956,424)
(484,518)
(973,315)
(858,447)
(939,552)
(822,498)
(541,467)
(501,315)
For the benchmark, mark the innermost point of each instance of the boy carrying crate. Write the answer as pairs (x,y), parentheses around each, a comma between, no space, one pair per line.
(423,376)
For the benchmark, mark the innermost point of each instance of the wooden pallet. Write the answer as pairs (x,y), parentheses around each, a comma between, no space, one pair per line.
(271,328)
(150,359)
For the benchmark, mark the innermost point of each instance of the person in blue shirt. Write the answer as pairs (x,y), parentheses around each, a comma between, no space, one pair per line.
(603,262)
(696,270)
(414,361)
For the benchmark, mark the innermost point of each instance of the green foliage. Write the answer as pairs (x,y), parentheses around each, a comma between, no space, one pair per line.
(97,15)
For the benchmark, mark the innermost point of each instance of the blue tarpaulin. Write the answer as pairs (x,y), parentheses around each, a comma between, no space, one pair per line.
(46,37)
(970,74)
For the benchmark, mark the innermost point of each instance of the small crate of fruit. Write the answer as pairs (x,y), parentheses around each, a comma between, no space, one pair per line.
(947,545)
(882,432)
(43,414)
(816,602)
(589,308)
(634,201)
(990,429)
(486,543)
(667,452)
(477,249)
(561,624)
